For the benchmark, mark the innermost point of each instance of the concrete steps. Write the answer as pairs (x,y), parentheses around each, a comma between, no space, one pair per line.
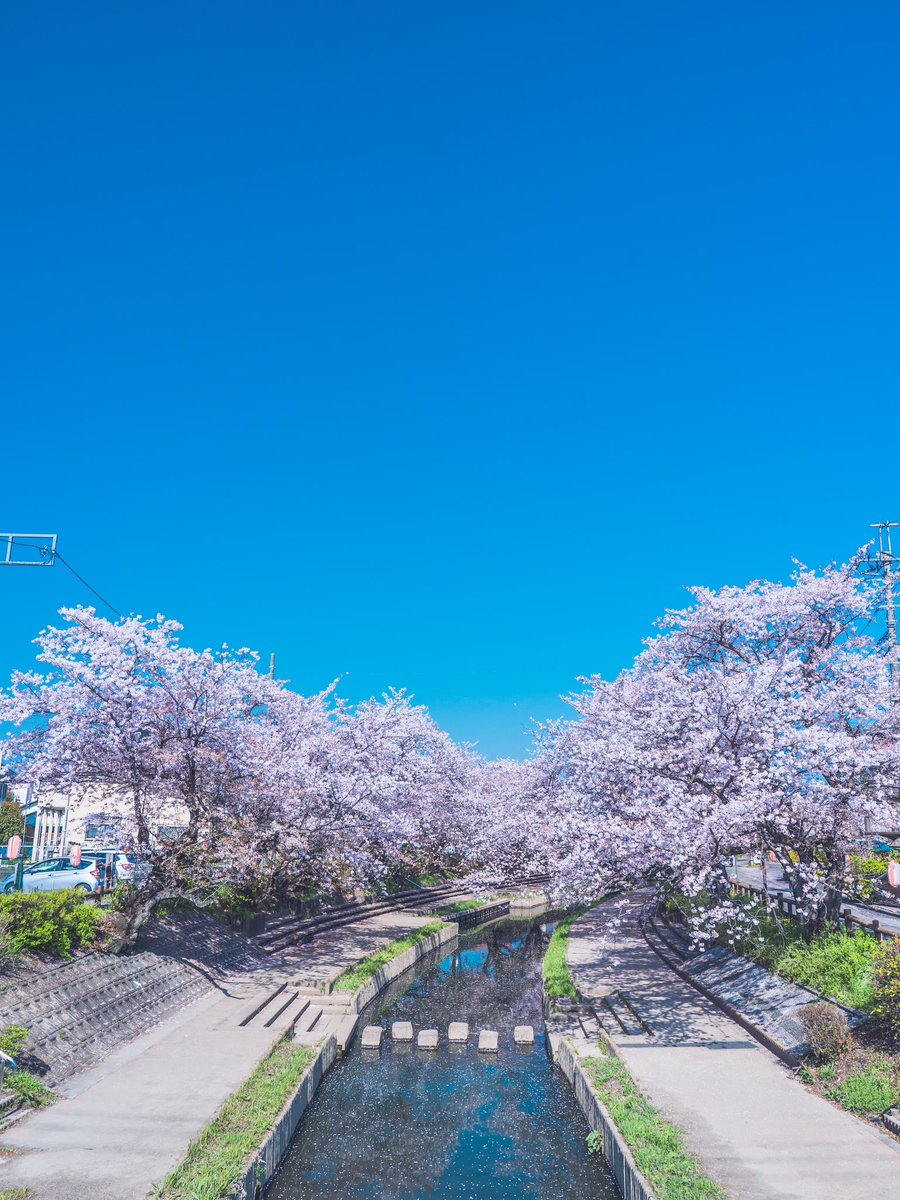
(282,933)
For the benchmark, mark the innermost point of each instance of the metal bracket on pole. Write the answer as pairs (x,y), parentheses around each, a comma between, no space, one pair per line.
(27,549)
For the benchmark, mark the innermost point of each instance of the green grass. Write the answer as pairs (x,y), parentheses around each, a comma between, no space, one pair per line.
(656,1146)
(557,980)
(838,965)
(466,905)
(28,1088)
(16,1193)
(873,1089)
(352,980)
(214,1161)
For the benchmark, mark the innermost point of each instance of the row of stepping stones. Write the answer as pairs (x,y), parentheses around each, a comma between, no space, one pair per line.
(458,1032)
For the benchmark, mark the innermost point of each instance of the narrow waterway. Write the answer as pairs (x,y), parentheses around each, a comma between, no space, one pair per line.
(405,1124)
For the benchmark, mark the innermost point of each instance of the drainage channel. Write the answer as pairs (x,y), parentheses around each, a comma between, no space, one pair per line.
(400,1123)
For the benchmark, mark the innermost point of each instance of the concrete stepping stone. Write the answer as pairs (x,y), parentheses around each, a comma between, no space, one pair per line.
(458,1031)
(371,1037)
(487,1041)
(428,1039)
(523,1035)
(402,1031)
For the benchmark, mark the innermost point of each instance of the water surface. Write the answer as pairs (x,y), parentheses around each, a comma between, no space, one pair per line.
(404,1124)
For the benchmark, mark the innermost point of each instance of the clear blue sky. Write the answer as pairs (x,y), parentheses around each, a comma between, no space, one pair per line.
(439,345)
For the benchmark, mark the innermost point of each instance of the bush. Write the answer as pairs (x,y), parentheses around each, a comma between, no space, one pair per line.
(863,874)
(827,1030)
(885,981)
(13,1039)
(51,921)
(28,1088)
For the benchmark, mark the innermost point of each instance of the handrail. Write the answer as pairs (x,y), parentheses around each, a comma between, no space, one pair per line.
(790,908)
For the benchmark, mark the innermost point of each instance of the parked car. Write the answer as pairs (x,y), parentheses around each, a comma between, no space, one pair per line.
(128,867)
(57,874)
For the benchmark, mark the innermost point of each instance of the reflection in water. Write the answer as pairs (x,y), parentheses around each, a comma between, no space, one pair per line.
(404,1124)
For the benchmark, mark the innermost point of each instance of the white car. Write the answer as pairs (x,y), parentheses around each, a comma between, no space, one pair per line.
(56,875)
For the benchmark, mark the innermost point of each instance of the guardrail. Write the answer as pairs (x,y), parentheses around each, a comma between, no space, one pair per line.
(478,916)
(789,907)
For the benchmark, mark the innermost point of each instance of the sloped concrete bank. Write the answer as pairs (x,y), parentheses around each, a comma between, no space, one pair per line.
(767,1006)
(80,1010)
(260,1168)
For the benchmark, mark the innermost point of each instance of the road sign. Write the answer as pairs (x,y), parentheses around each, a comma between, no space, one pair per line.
(75,856)
(14,846)
(894,873)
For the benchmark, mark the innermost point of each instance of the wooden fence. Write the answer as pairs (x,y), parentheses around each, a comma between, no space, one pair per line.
(788,906)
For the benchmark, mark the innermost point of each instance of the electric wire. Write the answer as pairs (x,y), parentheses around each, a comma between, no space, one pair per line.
(44,552)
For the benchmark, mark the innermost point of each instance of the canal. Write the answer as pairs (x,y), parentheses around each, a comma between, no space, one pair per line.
(405,1124)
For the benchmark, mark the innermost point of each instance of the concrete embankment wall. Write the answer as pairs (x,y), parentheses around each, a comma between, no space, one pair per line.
(630,1182)
(395,968)
(260,1169)
(262,1166)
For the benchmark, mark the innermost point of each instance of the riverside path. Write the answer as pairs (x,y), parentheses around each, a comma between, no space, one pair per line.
(119,1128)
(754,1128)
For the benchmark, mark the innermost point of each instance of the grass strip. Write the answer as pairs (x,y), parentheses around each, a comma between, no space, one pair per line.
(869,1091)
(467,905)
(16,1193)
(352,980)
(557,980)
(214,1161)
(656,1146)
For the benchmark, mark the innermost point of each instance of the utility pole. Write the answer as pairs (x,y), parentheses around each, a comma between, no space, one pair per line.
(883,564)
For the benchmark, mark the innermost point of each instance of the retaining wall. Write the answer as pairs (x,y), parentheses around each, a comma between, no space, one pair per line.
(262,1167)
(391,970)
(630,1182)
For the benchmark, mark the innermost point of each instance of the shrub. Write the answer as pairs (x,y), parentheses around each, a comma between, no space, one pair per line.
(827,1031)
(13,1039)
(885,981)
(51,921)
(28,1088)
(863,874)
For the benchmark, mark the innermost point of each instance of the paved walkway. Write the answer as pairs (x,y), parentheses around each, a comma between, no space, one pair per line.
(754,1127)
(122,1126)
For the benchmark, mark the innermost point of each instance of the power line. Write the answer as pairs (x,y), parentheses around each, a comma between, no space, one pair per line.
(87,585)
(44,544)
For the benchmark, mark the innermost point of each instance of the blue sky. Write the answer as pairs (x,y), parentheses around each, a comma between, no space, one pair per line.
(436,346)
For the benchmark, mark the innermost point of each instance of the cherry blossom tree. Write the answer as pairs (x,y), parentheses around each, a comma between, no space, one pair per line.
(276,793)
(759,717)
(125,712)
